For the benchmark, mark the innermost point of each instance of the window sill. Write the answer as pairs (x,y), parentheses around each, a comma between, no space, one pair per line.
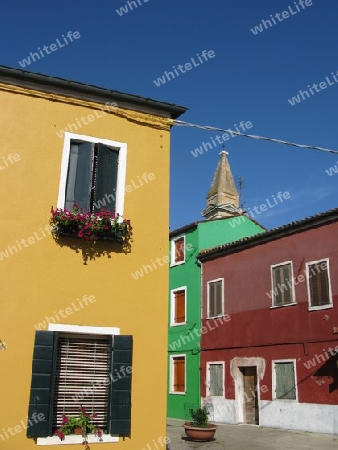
(177,393)
(283,306)
(177,324)
(73,439)
(215,317)
(318,308)
(177,264)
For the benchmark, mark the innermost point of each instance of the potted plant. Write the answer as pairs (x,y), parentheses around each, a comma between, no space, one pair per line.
(199,428)
(83,424)
(102,225)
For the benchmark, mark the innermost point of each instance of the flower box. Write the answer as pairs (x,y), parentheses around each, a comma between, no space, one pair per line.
(99,226)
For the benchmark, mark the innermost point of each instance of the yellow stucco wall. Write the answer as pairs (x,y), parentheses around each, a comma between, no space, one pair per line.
(39,280)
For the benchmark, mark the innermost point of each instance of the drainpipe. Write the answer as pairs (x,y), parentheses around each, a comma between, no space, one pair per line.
(200,325)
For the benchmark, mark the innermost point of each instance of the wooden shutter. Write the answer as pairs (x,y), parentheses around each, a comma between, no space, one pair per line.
(179,374)
(216,379)
(105,178)
(120,397)
(285,381)
(179,250)
(215,299)
(218,289)
(79,178)
(319,285)
(42,384)
(179,306)
(283,294)
(212,309)
(82,372)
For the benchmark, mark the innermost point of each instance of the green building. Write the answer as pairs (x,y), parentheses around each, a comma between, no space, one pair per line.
(225,222)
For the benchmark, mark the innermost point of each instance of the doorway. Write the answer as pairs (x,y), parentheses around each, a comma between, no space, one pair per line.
(249,395)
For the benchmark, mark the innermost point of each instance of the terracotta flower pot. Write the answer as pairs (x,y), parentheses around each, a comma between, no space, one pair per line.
(200,434)
(77,430)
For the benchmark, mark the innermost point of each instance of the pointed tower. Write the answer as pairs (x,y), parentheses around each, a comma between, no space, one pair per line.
(222,198)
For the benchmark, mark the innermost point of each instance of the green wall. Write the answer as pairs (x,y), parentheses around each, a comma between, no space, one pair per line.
(184,339)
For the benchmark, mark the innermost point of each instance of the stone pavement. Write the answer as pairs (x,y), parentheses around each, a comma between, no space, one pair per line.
(251,437)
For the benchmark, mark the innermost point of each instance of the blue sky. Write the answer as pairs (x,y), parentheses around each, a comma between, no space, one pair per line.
(250,78)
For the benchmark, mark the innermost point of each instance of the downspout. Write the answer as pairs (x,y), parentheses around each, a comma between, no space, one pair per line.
(200,324)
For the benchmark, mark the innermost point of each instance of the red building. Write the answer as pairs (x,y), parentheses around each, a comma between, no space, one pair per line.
(274,362)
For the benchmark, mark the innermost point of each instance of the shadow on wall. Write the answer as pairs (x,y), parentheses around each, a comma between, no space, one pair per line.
(330,369)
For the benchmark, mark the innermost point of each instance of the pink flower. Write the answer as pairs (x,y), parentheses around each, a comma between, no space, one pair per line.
(64,419)
(99,432)
(60,434)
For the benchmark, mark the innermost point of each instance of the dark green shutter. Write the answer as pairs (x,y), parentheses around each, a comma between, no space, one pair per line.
(42,385)
(106,178)
(120,398)
(79,178)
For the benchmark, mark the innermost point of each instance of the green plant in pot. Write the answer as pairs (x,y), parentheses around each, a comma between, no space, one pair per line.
(199,428)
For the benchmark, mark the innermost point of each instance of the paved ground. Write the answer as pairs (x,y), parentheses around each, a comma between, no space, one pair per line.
(238,437)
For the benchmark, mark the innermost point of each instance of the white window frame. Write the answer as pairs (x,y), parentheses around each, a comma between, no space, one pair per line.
(172,374)
(293,285)
(172,306)
(329,305)
(173,253)
(73,439)
(121,147)
(274,381)
(208,302)
(210,363)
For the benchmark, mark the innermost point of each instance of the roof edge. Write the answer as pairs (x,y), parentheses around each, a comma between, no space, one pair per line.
(69,87)
(323,218)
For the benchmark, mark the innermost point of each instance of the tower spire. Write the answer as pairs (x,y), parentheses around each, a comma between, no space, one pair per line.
(222,198)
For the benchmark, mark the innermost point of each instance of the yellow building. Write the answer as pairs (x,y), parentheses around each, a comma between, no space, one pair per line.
(83,316)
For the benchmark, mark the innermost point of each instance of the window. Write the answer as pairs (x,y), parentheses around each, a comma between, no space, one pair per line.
(215,379)
(92,174)
(284,380)
(215,298)
(178,250)
(178,302)
(177,374)
(282,284)
(72,369)
(319,289)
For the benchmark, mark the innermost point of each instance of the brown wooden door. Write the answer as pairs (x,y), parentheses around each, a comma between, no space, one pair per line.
(250,395)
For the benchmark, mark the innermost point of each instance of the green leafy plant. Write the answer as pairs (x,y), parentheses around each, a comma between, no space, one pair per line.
(84,421)
(199,417)
(90,226)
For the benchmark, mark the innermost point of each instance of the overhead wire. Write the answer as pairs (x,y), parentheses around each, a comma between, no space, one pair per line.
(181,123)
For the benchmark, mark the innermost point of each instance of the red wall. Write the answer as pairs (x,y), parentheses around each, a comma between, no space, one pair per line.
(256,330)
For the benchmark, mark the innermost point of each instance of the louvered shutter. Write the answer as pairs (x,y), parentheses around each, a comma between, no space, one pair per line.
(179,306)
(314,286)
(319,284)
(105,181)
(285,381)
(79,178)
(324,286)
(179,374)
(82,378)
(212,308)
(216,379)
(179,250)
(42,384)
(219,305)
(120,398)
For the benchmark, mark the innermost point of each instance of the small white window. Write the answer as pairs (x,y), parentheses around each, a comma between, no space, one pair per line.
(319,284)
(178,251)
(215,298)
